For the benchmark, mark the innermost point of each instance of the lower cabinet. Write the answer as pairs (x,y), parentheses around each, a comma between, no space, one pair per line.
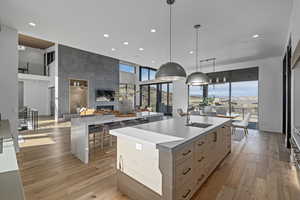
(196,161)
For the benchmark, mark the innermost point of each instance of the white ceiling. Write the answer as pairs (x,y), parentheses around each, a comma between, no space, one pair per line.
(228,26)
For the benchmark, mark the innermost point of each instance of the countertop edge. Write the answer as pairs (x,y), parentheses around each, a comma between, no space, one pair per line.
(162,146)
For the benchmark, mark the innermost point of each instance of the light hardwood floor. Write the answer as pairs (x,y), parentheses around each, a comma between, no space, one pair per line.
(257,168)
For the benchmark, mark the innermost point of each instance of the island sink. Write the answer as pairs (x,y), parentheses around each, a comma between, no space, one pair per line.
(199,125)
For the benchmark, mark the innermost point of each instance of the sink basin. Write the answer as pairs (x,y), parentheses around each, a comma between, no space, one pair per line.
(199,125)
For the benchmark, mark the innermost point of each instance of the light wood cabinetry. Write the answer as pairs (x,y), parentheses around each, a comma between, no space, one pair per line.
(195,161)
(181,170)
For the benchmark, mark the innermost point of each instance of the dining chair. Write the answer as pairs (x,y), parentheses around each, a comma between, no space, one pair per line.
(242,124)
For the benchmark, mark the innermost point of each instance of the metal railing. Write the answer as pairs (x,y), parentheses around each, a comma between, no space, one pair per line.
(28,119)
(243,111)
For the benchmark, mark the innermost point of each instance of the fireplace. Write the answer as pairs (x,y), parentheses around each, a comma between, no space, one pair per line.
(105,107)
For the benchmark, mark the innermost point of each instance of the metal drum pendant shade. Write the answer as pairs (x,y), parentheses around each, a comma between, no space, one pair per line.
(197,78)
(170,71)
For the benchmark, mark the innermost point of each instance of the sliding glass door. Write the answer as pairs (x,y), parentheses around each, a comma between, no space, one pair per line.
(244,99)
(238,94)
(158,97)
(219,96)
(195,95)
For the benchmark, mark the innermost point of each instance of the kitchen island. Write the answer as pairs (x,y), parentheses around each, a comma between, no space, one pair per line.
(80,129)
(169,160)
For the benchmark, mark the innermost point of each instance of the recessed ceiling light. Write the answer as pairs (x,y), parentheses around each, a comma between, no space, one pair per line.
(113,49)
(255,36)
(32,24)
(191,52)
(125,43)
(141,49)
(153,30)
(106,35)
(153,61)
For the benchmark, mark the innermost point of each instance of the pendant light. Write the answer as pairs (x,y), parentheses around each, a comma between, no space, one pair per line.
(197,78)
(170,71)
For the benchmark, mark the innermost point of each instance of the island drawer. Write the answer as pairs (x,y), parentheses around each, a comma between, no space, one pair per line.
(186,192)
(184,172)
(201,144)
(184,153)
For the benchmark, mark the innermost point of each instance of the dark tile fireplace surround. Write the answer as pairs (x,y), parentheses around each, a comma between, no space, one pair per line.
(105,107)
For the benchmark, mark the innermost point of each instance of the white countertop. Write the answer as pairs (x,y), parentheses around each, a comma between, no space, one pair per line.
(169,134)
(100,119)
(8,158)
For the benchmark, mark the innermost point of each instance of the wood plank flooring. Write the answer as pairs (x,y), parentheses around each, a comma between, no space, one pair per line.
(256,169)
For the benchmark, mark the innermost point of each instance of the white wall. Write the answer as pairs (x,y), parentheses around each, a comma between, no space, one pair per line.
(295,23)
(294,32)
(36,92)
(8,78)
(270,91)
(35,58)
(180,96)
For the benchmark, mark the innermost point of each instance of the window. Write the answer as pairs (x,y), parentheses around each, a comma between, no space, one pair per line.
(153,97)
(144,74)
(127,91)
(244,99)
(195,95)
(147,74)
(158,97)
(126,68)
(218,95)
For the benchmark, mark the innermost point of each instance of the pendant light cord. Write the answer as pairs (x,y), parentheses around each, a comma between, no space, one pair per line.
(197,48)
(170,33)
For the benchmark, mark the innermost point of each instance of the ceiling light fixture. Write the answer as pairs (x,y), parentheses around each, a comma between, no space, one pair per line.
(191,52)
(141,49)
(170,71)
(125,43)
(255,36)
(32,24)
(197,78)
(153,61)
(113,49)
(106,35)
(153,30)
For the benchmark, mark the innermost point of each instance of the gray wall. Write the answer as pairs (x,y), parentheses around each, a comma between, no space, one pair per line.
(101,72)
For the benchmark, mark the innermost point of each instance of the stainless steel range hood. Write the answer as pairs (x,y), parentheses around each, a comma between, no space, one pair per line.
(296,55)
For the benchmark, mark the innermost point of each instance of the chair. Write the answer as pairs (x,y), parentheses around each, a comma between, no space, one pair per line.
(180,112)
(96,133)
(242,124)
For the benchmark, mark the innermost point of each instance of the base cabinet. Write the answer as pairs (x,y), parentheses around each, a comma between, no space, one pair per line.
(193,163)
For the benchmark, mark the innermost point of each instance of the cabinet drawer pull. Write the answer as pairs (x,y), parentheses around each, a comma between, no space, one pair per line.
(201,159)
(187,171)
(201,178)
(186,194)
(201,143)
(186,153)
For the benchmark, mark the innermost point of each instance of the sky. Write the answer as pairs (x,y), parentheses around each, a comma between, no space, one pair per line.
(246,88)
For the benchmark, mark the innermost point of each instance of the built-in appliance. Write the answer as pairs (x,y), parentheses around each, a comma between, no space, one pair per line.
(105,95)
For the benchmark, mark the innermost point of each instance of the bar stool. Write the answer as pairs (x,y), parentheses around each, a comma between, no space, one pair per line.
(94,131)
